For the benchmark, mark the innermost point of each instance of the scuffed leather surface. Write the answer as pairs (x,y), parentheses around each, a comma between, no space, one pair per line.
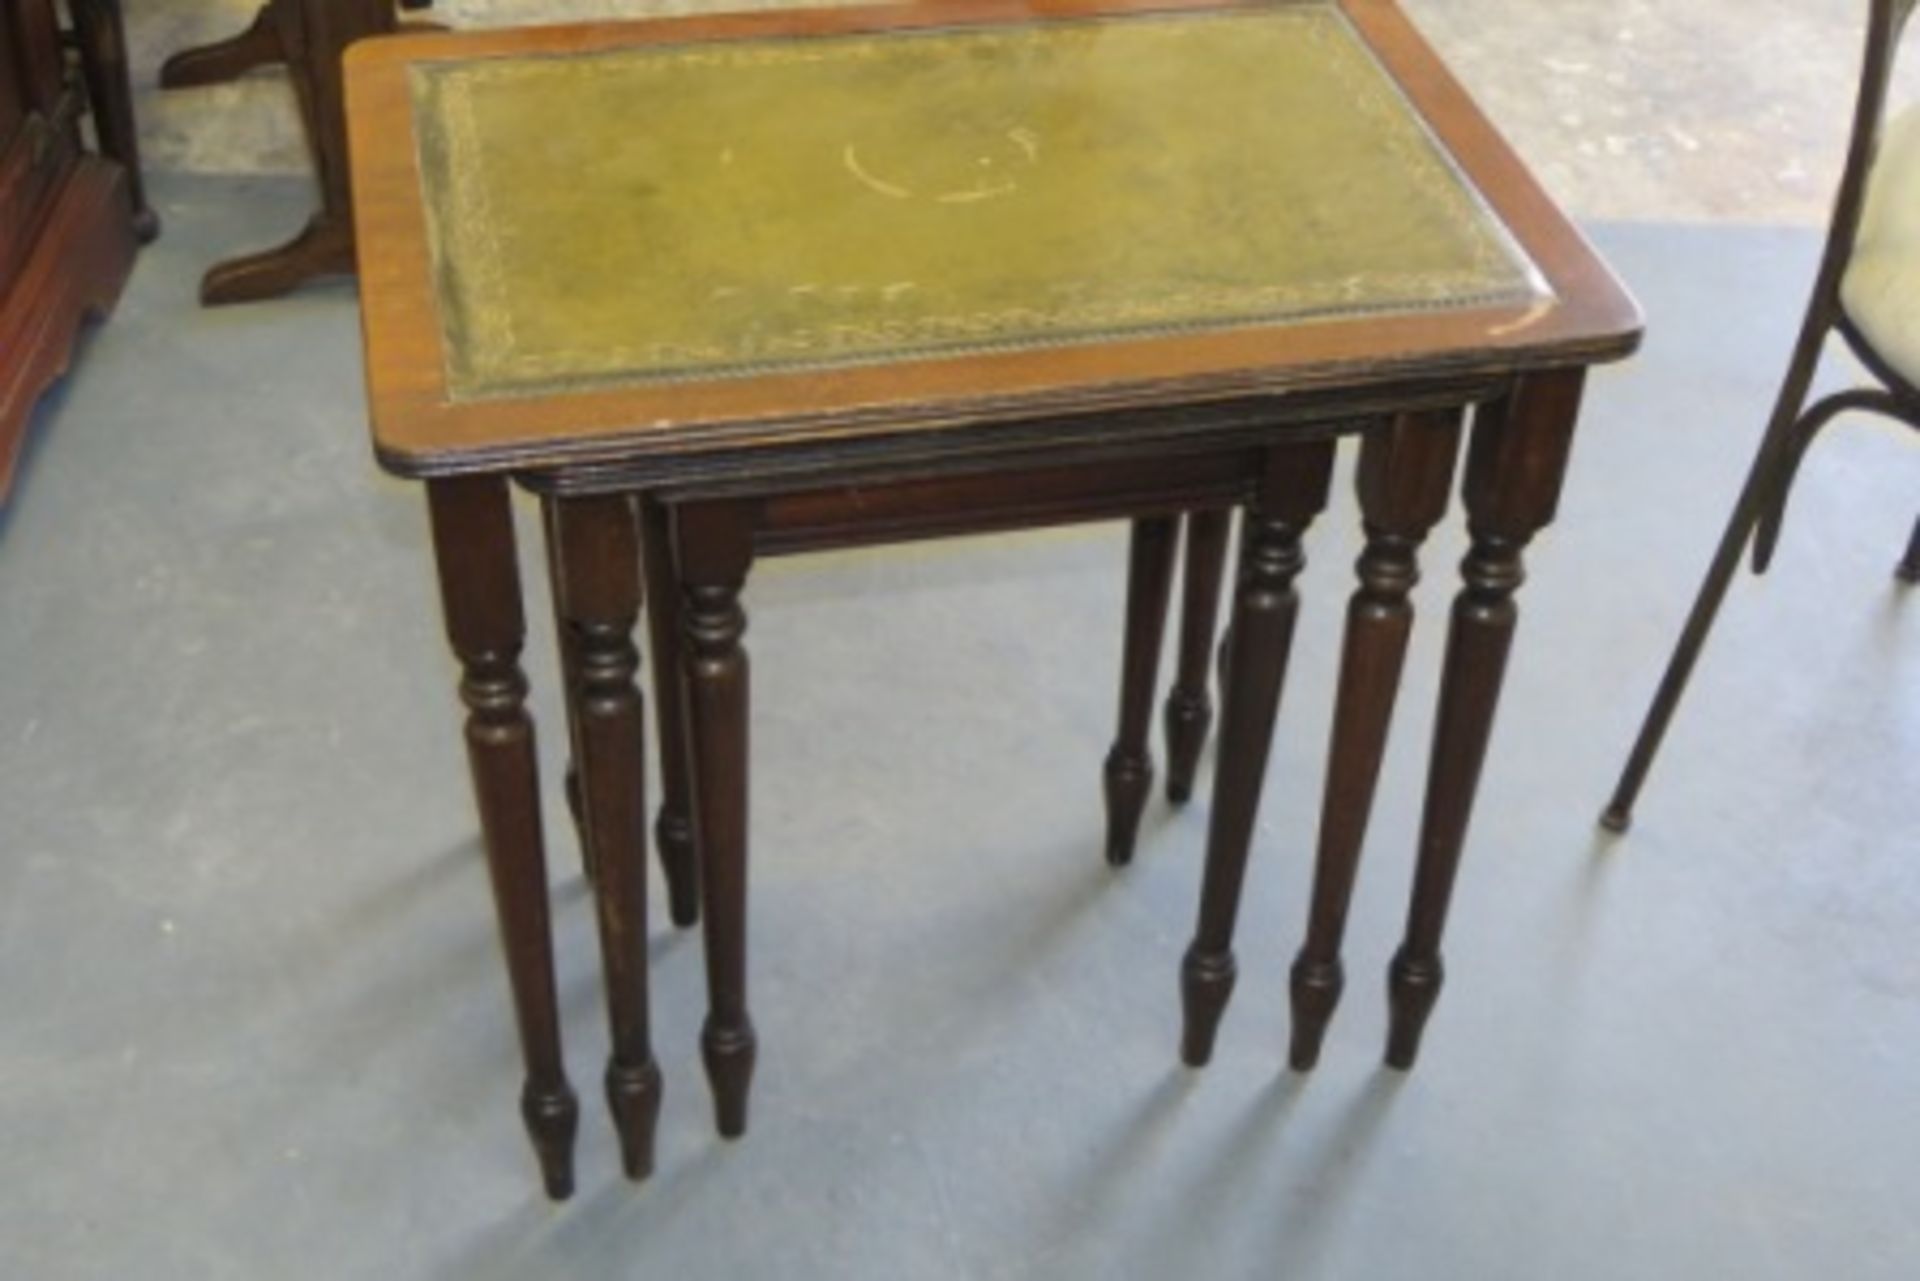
(717,209)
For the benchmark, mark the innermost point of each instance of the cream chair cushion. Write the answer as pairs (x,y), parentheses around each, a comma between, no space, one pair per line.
(1881,290)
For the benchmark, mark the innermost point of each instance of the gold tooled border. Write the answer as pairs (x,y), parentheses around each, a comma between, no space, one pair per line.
(479,325)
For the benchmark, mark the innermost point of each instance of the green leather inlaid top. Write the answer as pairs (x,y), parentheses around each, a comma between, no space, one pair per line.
(717,209)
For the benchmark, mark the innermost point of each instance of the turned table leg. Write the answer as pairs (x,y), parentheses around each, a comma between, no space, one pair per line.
(673,830)
(566,643)
(1405,475)
(1189,710)
(1129,769)
(714,546)
(480,594)
(599,561)
(1292,492)
(1514,470)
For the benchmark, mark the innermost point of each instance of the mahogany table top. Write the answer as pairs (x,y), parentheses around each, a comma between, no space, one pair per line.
(602,242)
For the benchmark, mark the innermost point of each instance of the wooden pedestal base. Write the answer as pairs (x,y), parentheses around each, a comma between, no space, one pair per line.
(308,37)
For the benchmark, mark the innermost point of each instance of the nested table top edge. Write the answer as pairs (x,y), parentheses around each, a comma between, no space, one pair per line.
(1585,317)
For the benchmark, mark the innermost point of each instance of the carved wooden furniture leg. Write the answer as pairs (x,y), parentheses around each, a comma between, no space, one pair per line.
(315,35)
(599,560)
(1514,470)
(102,44)
(1189,711)
(714,546)
(566,642)
(673,833)
(673,830)
(1909,570)
(324,247)
(480,593)
(258,46)
(1129,769)
(1404,478)
(1292,492)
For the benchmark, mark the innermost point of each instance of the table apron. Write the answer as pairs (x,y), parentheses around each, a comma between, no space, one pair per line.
(857,514)
(1002,446)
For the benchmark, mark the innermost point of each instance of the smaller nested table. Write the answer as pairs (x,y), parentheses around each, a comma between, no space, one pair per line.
(785,281)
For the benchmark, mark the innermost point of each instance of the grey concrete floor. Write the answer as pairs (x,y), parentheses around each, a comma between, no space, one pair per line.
(253,1023)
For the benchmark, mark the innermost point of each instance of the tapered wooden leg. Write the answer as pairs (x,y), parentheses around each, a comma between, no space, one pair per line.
(673,830)
(599,559)
(1292,492)
(714,543)
(1514,470)
(566,642)
(1909,569)
(1405,475)
(1129,768)
(480,594)
(101,41)
(1189,711)
(257,46)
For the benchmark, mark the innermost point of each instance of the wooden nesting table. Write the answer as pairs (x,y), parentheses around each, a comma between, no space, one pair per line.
(728,287)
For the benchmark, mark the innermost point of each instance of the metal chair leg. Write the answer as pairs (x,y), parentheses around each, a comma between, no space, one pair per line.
(1800,437)
(1763,480)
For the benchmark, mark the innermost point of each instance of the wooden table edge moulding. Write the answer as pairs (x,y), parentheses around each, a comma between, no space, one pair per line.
(699,454)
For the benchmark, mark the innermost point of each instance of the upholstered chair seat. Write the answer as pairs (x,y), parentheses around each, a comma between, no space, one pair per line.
(1881,289)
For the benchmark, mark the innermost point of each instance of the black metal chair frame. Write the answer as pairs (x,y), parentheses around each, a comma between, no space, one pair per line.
(1761,508)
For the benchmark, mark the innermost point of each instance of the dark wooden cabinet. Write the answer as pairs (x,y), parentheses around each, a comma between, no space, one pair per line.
(70,217)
